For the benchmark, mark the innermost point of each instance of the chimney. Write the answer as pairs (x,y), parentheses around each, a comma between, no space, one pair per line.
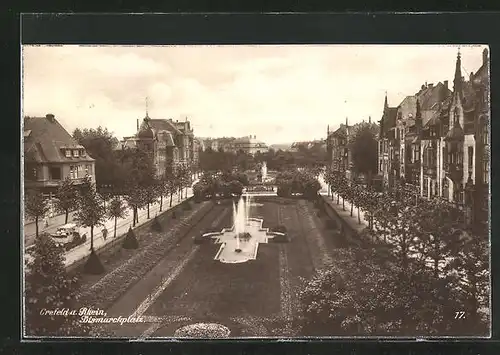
(431,85)
(485,56)
(471,76)
(50,117)
(137,125)
(445,83)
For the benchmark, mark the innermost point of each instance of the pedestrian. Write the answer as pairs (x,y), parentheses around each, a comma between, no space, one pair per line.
(104,233)
(46,222)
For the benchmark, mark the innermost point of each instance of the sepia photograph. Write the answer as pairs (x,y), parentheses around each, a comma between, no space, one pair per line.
(255,191)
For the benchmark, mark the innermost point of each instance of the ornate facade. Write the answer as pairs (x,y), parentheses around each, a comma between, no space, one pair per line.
(441,141)
(170,143)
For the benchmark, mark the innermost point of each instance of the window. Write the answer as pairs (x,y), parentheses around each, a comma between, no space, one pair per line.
(68,153)
(72,172)
(84,153)
(486,172)
(55,173)
(485,134)
(470,157)
(76,153)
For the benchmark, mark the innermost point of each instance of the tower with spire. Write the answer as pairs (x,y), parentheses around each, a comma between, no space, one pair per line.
(457,81)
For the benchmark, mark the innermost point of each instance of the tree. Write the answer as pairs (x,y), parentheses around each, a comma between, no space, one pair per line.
(363,145)
(150,193)
(116,209)
(99,144)
(49,287)
(362,293)
(135,199)
(66,198)
(469,273)
(90,213)
(35,206)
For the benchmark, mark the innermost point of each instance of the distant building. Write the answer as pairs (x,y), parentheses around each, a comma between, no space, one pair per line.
(249,145)
(388,156)
(51,155)
(339,155)
(171,143)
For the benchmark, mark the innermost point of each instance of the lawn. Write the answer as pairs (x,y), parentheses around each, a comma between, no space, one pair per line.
(250,298)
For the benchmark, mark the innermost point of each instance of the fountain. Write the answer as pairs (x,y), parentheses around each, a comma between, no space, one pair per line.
(241,215)
(241,242)
(263,171)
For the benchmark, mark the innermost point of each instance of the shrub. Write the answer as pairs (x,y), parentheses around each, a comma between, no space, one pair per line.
(130,241)
(156,225)
(187,206)
(93,265)
(284,190)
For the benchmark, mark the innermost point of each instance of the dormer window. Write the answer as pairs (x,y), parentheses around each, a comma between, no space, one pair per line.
(76,153)
(83,153)
(68,153)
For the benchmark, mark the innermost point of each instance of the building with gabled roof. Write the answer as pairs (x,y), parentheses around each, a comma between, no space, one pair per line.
(388,157)
(51,155)
(170,143)
(337,148)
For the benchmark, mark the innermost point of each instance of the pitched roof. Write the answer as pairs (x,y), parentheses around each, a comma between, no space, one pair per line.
(46,140)
(163,124)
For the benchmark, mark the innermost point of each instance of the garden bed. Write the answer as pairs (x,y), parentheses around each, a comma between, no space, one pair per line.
(103,293)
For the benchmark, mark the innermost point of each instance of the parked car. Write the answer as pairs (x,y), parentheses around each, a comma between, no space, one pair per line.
(66,234)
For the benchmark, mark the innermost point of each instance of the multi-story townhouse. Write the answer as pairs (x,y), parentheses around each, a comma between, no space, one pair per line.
(338,149)
(386,143)
(170,143)
(51,155)
(466,158)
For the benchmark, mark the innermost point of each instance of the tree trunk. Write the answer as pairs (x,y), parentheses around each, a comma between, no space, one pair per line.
(137,215)
(92,238)
(352,207)
(36,226)
(338,198)
(148,210)
(359,217)
(66,216)
(161,202)
(171,197)
(114,236)
(343,204)
(134,216)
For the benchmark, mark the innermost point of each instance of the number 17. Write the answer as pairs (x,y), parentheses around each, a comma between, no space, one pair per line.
(459,315)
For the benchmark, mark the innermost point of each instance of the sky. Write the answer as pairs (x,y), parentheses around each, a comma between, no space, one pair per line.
(280,94)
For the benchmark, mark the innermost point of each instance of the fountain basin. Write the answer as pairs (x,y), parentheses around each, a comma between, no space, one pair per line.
(249,247)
